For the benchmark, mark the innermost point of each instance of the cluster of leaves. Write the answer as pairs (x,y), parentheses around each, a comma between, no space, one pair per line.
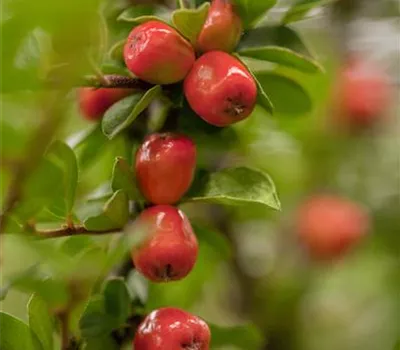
(73,273)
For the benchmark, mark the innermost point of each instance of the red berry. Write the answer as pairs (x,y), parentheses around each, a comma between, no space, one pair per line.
(222,28)
(172,329)
(169,250)
(165,165)
(94,102)
(364,94)
(329,226)
(220,89)
(158,54)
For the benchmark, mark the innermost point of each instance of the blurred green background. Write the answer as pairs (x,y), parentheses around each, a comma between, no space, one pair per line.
(254,275)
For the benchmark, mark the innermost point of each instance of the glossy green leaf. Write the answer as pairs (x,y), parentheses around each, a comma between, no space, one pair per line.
(262,98)
(40,321)
(246,337)
(115,214)
(190,21)
(64,157)
(121,114)
(16,335)
(251,11)
(123,178)
(235,186)
(281,36)
(301,8)
(95,322)
(117,300)
(283,56)
(214,248)
(281,89)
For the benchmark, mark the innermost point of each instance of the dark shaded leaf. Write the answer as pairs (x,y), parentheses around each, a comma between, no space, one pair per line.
(250,11)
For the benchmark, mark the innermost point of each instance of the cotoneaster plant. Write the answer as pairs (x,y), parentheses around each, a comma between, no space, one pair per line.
(166,88)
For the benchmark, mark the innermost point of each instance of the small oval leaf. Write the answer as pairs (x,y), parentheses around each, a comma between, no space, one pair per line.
(235,186)
(16,335)
(121,114)
(301,8)
(115,214)
(262,98)
(281,89)
(251,11)
(283,56)
(117,300)
(123,178)
(190,22)
(40,321)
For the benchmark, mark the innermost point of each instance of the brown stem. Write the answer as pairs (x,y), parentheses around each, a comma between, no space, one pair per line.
(64,330)
(115,81)
(71,231)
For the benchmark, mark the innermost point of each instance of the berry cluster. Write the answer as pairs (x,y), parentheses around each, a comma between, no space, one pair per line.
(221,91)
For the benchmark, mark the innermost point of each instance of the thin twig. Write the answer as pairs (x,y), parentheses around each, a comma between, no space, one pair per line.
(115,81)
(64,330)
(72,231)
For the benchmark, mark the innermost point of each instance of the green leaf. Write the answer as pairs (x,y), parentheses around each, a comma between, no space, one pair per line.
(214,248)
(235,186)
(95,322)
(88,144)
(281,89)
(121,114)
(76,244)
(64,157)
(115,214)
(262,98)
(251,11)
(117,300)
(40,321)
(301,8)
(123,178)
(281,36)
(190,22)
(101,343)
(117,50)
(40,190)
(143,13)
(246,337)
(283,56)
(16,335)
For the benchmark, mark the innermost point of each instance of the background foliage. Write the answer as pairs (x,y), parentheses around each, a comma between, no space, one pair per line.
(252,283)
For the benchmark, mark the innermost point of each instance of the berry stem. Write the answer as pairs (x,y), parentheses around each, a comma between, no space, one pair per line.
(115,81)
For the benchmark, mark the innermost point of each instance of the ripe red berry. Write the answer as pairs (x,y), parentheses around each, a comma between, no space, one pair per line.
(172,329)
(222,28)
(169,250)
(165,165)
(94,102)
(220,89)
(158,54)
(329,226)
(363,94)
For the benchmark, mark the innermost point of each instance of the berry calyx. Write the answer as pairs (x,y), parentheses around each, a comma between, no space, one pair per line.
(165,166)
(158,54)
(172,329)
(94,102)
(220,89)
(222,28)
(169,250)
(329,226)
(363,94)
